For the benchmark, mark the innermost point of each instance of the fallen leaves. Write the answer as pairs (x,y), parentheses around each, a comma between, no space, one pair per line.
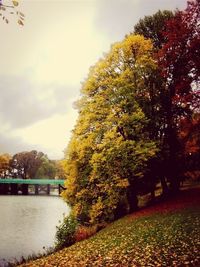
(157,239)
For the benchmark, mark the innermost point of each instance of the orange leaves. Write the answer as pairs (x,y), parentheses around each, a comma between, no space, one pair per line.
(190,134)
(84,232)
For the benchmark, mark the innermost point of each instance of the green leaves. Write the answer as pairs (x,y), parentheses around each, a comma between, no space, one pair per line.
(152,27)
(65,234)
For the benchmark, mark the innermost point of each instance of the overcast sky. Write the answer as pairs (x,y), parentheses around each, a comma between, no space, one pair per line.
(43,63)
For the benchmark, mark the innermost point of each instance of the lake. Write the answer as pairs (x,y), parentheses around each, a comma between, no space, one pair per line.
(28,224)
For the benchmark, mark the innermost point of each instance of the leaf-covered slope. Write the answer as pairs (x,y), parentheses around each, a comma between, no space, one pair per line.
(165,236)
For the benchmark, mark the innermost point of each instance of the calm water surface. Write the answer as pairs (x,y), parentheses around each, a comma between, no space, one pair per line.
(28,223)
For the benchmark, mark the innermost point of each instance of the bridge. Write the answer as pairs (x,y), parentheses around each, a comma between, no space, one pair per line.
(29,186)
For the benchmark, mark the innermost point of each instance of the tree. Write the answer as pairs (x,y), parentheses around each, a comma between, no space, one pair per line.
(60,169)
(4,165)
(153,99)
(179,61)
(110,147)
(26,164)
(10,8)
(152,27)
(47,169)
(189,136)
(173,87)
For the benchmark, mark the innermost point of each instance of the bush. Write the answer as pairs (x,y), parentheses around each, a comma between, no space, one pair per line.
(65,235)
(84,232)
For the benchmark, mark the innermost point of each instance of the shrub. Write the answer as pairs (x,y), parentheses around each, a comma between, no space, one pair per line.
(84,232)
(65,235)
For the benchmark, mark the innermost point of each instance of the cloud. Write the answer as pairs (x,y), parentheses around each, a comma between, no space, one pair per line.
(43,63)
(51,135)
(115,19)
(12,144)
(58,42)
(23,103)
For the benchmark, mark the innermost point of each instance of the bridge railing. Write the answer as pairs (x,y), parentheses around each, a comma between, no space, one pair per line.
(16,185)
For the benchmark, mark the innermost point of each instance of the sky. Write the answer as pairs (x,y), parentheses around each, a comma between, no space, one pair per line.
(43,63)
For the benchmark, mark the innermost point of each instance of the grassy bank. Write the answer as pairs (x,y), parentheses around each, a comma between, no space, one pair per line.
(166,234)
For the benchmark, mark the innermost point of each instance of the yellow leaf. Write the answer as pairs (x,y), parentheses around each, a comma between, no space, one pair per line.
(15,3)
(20,22)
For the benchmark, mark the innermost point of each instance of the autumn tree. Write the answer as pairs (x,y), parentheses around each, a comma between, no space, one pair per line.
(26,164)
(110,147)
(152,27)
(47,169)
(4,165)
(179,62)
(173,88)
(152,100)
(189,136)
(60,166)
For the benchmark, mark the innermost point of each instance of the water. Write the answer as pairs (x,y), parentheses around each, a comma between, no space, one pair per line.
(28,224)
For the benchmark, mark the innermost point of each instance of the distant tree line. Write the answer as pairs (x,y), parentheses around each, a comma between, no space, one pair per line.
(30,165)
(139,119)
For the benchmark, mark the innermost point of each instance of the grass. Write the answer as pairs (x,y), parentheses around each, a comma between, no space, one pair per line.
(166,234)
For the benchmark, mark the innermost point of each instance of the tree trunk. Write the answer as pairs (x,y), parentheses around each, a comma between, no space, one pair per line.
(153,195)
(172,170)
(174,185)
(164,185)
(132,199)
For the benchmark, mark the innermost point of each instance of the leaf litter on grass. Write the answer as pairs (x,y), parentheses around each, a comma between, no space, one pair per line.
(165,237)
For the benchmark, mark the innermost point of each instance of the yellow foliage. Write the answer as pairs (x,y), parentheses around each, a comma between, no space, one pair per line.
(4,164)
(96,211)
(108,146)
(123,183)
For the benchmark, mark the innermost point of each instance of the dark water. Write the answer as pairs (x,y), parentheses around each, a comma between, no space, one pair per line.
(28,224)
